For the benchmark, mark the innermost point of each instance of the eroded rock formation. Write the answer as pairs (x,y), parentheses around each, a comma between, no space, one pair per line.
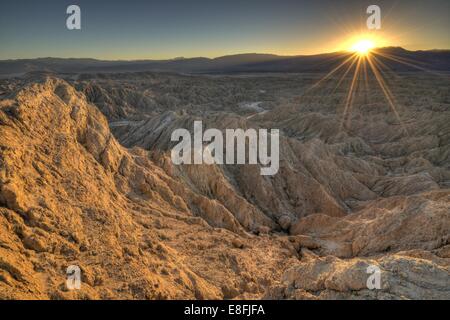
(73,193)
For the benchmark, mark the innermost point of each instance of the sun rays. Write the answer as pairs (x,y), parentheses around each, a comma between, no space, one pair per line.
(363,47)
(361,65)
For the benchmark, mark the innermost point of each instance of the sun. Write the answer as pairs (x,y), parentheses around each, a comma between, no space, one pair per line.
(363,47)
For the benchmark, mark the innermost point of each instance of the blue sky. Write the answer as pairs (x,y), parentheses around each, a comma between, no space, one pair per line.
(165,29)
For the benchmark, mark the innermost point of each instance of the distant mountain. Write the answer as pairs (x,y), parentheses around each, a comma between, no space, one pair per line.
(437,60)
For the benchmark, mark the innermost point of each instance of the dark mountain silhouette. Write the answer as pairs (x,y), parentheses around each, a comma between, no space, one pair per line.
(436,60)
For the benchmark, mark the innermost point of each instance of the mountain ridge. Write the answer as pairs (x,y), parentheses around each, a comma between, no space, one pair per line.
(237,63)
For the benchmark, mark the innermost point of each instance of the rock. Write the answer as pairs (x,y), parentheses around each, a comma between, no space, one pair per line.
(285,222)
(229,292)
(237,243)
(86,179)
(34,242)
(263,230)
(70,194)
(401,277)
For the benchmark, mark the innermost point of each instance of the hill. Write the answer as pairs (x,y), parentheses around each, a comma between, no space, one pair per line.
(437,60)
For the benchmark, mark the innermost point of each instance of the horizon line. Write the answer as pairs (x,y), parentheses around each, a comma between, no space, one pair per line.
(211,58)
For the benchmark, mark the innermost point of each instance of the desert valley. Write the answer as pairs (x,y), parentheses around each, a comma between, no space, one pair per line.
(86,179)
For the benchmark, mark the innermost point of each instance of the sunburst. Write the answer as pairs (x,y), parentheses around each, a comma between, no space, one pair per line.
(363,61)
(363,47)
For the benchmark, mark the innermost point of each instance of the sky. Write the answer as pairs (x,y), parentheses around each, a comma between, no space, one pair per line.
(132,29)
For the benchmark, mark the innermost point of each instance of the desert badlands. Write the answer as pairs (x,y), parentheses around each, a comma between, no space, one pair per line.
(86,179)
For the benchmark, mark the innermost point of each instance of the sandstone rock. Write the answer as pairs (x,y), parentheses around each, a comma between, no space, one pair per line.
(74,193)
(285,222)
(402,277)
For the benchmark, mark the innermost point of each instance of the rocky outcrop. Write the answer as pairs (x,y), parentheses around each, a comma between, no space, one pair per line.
(405,275)
(71,195)
(345,198)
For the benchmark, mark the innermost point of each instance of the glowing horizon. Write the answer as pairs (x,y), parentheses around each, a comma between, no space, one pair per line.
(363,47)
(138,29)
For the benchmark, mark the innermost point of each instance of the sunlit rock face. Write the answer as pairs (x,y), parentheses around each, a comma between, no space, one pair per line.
(86,179)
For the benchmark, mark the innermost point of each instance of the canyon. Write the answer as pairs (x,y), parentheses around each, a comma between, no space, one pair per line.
(86,179)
